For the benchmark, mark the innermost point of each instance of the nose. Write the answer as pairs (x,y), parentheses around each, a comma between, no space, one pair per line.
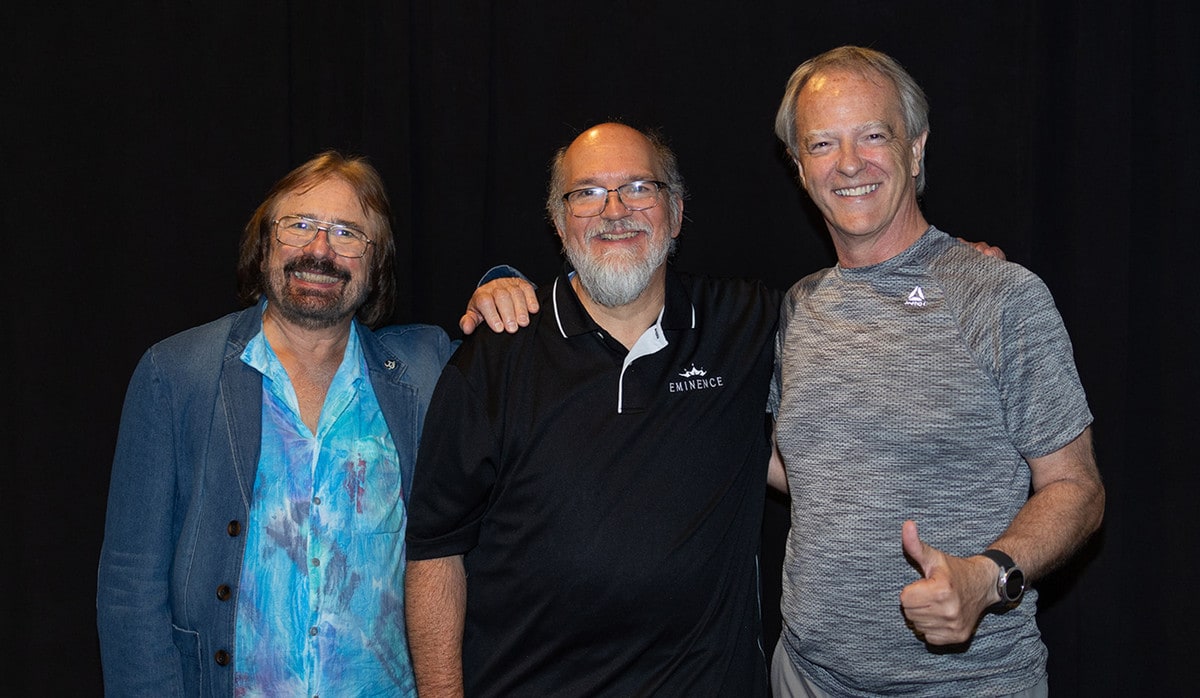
(614,210)
(849,161)
(319,245)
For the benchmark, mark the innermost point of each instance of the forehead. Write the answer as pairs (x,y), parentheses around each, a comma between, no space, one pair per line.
(842,98)
(331,198)
(610,155)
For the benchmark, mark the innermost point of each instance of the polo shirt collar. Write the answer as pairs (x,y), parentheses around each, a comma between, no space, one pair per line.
(572,319)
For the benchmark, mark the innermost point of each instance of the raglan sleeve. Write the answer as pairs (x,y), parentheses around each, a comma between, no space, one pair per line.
(1044,401)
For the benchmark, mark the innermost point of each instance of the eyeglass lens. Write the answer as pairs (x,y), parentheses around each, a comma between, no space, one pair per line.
(635,196)
(298,231)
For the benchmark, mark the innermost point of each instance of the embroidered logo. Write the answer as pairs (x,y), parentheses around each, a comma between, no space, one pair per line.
(916,297)
(695,379)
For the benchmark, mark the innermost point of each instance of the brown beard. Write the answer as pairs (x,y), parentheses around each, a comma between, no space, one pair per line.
(309,308)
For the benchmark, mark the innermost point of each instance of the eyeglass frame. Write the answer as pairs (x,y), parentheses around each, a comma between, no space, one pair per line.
(662,186)
(326,226)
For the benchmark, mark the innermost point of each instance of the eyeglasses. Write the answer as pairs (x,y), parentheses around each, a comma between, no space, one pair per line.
(298,231)
(638,195)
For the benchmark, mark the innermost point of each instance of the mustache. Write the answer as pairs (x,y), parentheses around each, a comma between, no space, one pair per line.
(308,263)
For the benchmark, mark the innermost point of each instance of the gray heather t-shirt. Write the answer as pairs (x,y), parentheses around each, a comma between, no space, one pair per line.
(913,389)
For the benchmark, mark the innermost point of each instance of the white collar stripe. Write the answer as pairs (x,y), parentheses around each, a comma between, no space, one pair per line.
(652,340)
(557,315)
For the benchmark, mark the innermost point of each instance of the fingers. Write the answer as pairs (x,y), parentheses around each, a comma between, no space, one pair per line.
(914,548)
(941,608)
(506,315)
(531,302)
(990,251)
(503,304)
(469,321)
(985,249)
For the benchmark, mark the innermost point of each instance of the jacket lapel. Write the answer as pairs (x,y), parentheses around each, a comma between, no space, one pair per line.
(241,401)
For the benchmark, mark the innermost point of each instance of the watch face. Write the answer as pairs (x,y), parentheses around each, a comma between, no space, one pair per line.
(1014,584)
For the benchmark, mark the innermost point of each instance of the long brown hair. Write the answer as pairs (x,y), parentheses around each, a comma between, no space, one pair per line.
(368,185)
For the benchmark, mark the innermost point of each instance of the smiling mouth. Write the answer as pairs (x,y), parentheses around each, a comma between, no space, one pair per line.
(618,235)
(856,191)
(314,278)
(315,271)
(617,231)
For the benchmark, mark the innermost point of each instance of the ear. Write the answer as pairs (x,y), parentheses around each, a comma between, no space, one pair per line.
(677,224)
(799,171)
(918,152)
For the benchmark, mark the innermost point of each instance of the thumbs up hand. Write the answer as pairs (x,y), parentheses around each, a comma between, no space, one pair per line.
(945,605)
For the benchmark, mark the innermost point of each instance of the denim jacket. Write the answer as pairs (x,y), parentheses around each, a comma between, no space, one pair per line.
(182,479)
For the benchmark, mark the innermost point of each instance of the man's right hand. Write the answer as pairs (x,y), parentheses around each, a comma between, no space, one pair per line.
(504,304)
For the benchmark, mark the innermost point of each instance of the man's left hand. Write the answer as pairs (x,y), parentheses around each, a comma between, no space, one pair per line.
(945,605)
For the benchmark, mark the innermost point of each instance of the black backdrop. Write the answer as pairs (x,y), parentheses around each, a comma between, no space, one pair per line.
(136,142)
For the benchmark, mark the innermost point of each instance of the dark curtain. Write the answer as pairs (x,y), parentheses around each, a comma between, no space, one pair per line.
(137,140)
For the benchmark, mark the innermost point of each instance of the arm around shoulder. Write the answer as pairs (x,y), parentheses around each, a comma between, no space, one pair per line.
(503,300)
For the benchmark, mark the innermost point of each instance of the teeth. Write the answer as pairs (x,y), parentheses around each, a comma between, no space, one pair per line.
(856,191)
(315,278)
(617,236)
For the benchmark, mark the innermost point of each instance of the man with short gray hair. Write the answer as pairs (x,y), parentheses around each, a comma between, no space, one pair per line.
(919,382)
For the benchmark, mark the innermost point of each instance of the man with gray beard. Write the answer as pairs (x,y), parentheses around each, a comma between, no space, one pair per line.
(587,508)
(616,277)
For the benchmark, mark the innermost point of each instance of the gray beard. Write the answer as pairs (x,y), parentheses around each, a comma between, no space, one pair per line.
(615,280)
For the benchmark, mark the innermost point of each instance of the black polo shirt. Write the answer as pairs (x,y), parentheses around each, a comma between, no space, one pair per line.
(608,502)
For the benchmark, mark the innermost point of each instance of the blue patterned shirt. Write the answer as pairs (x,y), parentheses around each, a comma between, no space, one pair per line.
(320,609)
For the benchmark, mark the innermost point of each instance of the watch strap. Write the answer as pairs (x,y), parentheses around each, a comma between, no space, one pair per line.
(1008,568)
(1000,558)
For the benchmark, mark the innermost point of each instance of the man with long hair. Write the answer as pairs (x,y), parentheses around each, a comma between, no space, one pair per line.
(254,542)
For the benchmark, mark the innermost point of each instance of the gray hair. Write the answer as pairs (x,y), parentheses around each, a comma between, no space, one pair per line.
(914,107)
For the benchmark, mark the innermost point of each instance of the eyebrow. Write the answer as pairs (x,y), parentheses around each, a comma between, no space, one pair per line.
(589,182)
(832,133)
(336,221)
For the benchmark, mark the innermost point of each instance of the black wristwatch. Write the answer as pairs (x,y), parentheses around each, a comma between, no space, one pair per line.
(1010,583)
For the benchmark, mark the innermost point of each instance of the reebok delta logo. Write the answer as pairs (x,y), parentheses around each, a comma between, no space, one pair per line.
(916,297)
(695,379)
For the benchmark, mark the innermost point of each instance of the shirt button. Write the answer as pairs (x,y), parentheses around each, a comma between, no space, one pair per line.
(221,658)
(233,529)
(224,592)
(312,631)
(316,562)
(317,500)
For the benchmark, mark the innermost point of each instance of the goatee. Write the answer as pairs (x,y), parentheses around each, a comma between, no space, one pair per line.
(618,277)
(310,308)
